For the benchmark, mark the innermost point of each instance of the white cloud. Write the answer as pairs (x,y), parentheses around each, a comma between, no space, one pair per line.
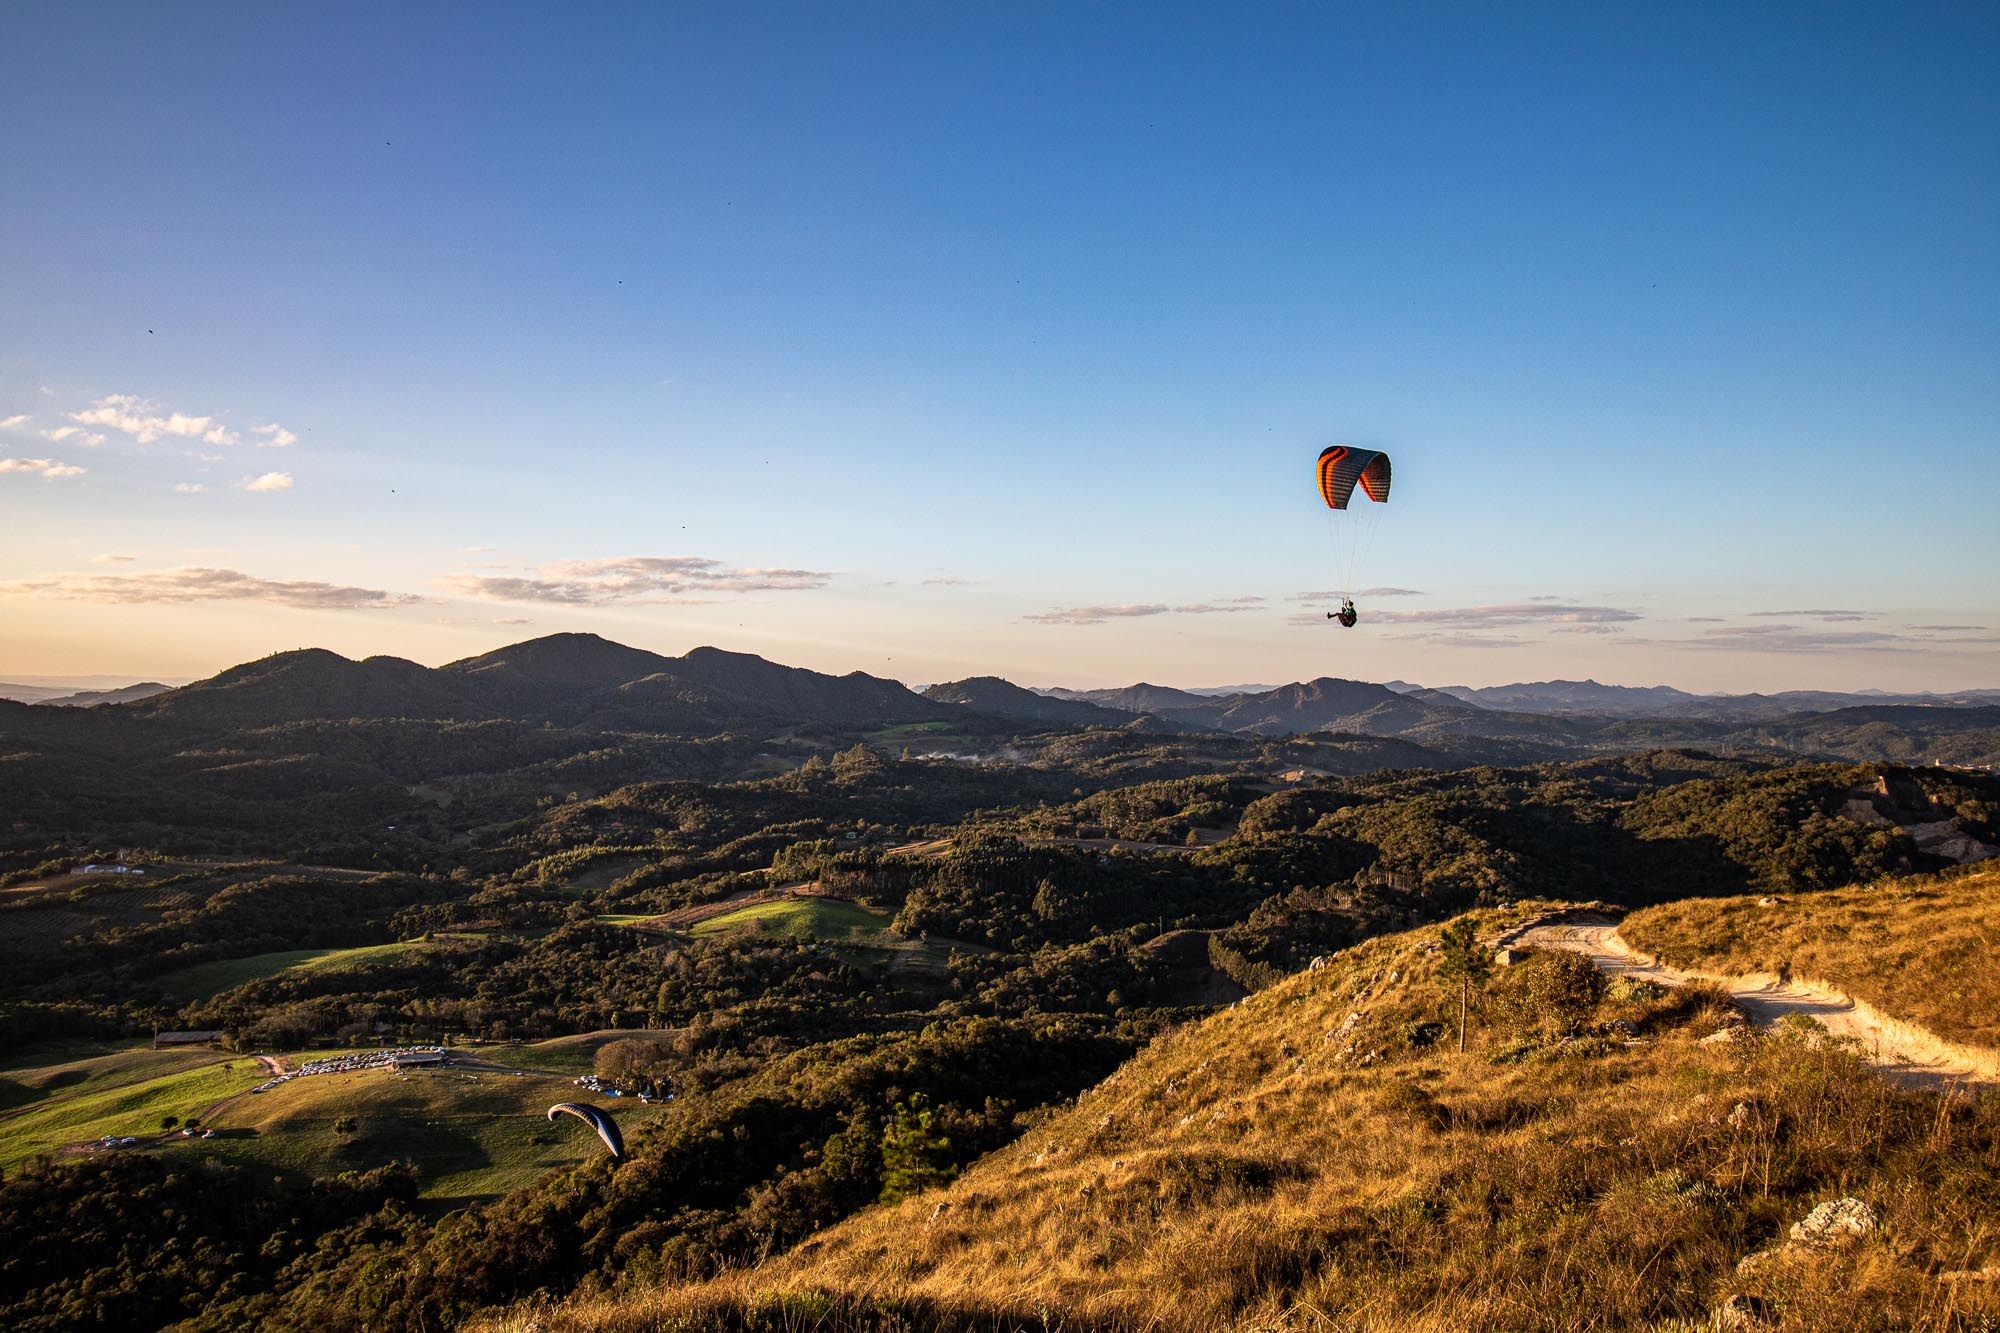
(475,550)
(48,469)
(679,578)
(275,436)
(270,481)
(14,422)
(145,422)
(195,584)
(189,488)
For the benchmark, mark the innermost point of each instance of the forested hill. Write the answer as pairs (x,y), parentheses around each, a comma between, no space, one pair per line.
(990,694)
(1325,704)
(564,678)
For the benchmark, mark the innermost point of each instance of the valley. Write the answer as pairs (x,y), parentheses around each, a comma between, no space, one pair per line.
(1052,991)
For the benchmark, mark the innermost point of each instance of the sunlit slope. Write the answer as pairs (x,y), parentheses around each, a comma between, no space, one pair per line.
(1307,1160)
(121,1095)
(1921,949)
(470,1132)
(208,979)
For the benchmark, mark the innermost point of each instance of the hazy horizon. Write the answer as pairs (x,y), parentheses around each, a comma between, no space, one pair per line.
(115,680)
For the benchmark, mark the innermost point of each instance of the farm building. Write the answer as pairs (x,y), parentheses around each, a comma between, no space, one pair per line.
(195,1038)
(416,1059)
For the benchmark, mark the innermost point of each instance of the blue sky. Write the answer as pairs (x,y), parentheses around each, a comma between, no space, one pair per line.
(970,322)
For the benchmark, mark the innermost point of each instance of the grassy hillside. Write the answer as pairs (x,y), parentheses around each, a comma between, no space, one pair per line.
(38,1073)
(206,979)
(121,1100)
(804,917)
(1920,949)
(471,1132)
(1319,1157)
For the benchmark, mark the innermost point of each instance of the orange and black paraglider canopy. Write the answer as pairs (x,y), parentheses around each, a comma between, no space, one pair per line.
(1341,466)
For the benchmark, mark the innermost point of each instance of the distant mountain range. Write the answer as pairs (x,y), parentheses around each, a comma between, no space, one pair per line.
(67,695)
(567,679)
(584,681)
(1589,697)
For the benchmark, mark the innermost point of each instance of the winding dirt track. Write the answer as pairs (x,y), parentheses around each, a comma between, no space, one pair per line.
(1901,1051)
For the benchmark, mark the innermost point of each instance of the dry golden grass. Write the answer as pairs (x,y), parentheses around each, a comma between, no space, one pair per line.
(1283,1165)
(1920,949)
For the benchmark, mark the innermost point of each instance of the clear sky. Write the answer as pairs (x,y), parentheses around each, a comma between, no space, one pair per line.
(933,340)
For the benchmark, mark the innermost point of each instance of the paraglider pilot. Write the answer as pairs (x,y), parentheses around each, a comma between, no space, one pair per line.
(1346,615)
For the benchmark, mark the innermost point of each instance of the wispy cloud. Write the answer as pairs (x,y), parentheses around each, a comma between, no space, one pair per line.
(1828,616)
(274,436)
(475,550)
(196,584)
(1333,595)
(270,481)
(1220,606)
(949,581)
(48,469)
(1096,615)
(15,422)
(147,421)
(683,578)
(188,488)
(1533,612)
(1795,639)
(112,559)
(1468,639)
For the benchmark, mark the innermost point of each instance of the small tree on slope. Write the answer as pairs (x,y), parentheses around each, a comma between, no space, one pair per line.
(1465,960)
(915,1156)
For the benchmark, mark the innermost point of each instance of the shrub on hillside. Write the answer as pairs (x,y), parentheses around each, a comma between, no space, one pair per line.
(1553,993)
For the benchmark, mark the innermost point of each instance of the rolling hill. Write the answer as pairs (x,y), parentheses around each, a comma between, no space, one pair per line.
(1326,704)
(1000,698)
(1320,1148)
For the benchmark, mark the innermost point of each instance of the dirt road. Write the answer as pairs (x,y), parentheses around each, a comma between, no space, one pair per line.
(1902,1051)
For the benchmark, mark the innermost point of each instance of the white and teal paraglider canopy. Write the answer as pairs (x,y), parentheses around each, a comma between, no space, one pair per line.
(601,1121)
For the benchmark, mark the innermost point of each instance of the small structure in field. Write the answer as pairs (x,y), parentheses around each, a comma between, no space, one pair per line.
(416,1059)
(199,1037)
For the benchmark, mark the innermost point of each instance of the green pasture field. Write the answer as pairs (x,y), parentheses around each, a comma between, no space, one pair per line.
(805,917)
(206,979)
(909,729)
(104,1102)
(472,1133)
(88,1067)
